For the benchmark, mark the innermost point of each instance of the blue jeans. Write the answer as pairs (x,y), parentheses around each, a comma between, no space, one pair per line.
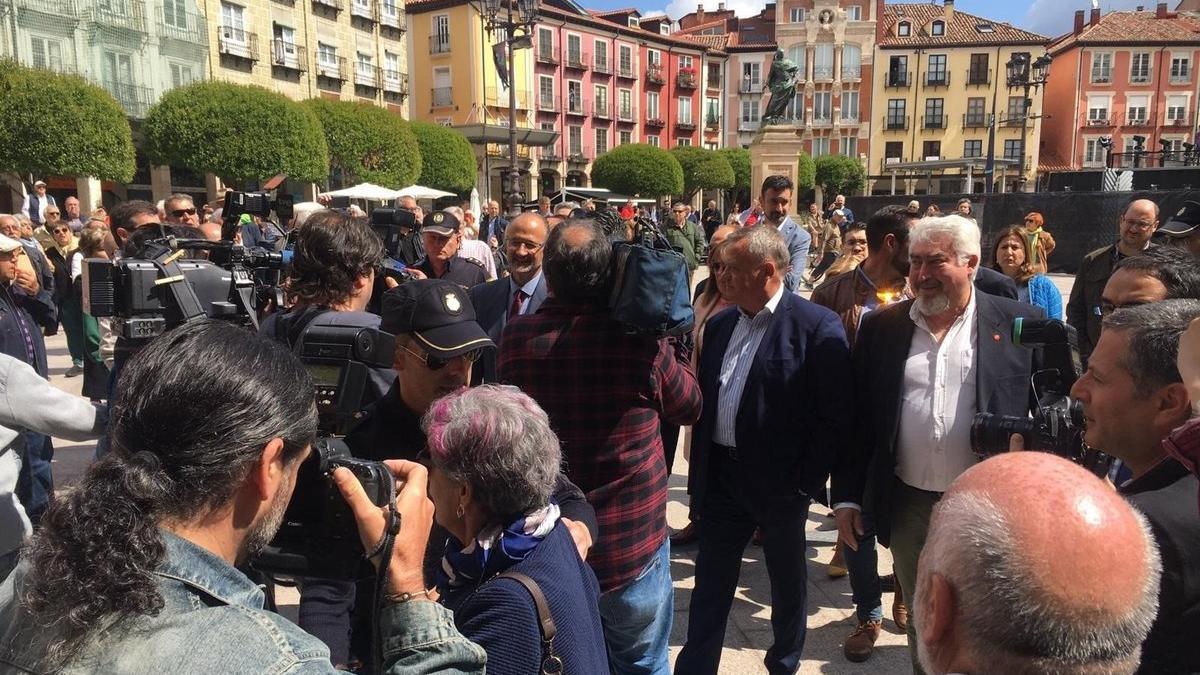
(637,619)
(863,566)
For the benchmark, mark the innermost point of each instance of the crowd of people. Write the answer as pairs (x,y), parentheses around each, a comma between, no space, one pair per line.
(531,436)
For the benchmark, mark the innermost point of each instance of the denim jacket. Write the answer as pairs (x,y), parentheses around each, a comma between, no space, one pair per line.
(213,621)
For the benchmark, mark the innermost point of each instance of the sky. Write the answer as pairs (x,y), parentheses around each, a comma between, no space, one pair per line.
(1047,17)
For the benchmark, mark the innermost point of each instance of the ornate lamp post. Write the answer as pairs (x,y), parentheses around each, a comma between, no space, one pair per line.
(1026,75)
(501,17)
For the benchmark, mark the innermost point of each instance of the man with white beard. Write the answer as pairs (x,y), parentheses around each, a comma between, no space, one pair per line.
(922,369)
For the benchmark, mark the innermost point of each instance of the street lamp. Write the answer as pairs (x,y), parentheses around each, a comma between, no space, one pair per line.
(1027,75)
(500,17)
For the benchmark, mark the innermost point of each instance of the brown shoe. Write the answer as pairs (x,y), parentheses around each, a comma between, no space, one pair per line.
(861,643)
(900,611)
(837,564)
(687,535)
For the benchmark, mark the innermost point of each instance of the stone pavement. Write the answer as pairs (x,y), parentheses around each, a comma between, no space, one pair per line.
(831,612)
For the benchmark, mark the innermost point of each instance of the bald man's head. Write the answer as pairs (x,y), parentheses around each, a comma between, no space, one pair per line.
(1031,564)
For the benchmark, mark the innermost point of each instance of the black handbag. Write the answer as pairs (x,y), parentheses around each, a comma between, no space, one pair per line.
(650,292)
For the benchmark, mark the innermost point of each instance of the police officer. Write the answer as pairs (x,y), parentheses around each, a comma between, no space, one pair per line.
(441,236)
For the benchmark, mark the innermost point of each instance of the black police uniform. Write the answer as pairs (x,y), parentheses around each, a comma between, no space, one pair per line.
(465,272)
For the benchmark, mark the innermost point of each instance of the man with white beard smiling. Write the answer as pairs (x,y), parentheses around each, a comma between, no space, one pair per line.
(922,369)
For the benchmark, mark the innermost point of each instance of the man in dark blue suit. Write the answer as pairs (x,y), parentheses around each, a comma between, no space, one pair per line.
(764,444)
(522,292)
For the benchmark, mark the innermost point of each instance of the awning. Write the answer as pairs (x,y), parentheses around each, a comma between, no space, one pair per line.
(496,133)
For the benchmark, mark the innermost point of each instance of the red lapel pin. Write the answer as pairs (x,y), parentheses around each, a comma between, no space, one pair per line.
(996,337)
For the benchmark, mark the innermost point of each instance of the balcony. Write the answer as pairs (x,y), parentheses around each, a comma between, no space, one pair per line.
(849,119)
(124,14)
(625,70)
(656,121)
(601,65)
(550,154)
(367,75)
(576,106)
(391,15)
(1181,77)
(895,123)
(1137,120)
(822,74)
(686,79)
(577,60)
(327,5)
(395,82)
(975,121)
(937,78)
(182,25)
(66,10)
(1101,120)
(289,56)
(497,97)
(546,54)
(886,162)
(332,67)
(1101,77)
(1011,120)
(549,104)
(714,81)
(654,74)
(579,155)
(749,125)
(712,123)
(134,99)
(1139,78)
(897,80)
(978,77)
(237,43)
(933,121)
(600,110)
(1179,120)
(685,124)
(443,97)
(363,9)
(851,73)
(439,43)
(626,113)
(751,87)
(820,120)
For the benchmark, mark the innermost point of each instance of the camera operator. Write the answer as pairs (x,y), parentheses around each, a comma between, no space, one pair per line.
(1133,397)
(134,571)
(128,217)
(411,248)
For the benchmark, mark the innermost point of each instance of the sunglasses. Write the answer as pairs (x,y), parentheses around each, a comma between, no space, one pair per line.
(52,213)
(179,213)
(437,363)
(61,230)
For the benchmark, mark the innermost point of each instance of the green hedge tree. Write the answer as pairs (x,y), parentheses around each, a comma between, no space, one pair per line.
(838,174)
(739,161)
(703,169)
(238,132)
(61,125)
(806,173)
(447,160)
(367,143)
(638,169)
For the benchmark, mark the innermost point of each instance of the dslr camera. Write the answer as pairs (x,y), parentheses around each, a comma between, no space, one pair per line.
(1057,426)
(260,204)
(390,224)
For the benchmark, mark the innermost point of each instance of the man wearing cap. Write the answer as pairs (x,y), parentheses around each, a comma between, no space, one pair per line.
(1181,230)
(441,236)
(36,203)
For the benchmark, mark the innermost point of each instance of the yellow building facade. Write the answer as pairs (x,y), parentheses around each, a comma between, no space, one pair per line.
(940,89)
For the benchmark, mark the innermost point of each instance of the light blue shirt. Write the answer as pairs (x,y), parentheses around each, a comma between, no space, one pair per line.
(739,356)
(528,289)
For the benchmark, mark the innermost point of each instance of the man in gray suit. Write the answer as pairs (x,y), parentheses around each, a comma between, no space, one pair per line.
(522,292)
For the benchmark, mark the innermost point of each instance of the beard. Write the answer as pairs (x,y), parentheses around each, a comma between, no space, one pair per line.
(931,305)
(262,533)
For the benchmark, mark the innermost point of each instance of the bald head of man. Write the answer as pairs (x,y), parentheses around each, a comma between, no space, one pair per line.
(1067,586)
(1137,226)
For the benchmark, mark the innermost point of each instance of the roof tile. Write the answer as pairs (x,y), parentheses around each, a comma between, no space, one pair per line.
(961,30)
(1133,28)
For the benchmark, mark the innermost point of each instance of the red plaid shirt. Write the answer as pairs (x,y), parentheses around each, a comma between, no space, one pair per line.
(605,392)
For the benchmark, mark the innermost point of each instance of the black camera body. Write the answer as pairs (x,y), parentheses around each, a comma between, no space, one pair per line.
(1057,426)
(390,225)
(260,204)
(340,359)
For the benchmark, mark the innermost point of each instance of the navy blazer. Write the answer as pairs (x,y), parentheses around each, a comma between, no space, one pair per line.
(795,409)
(492,301)
(866,476)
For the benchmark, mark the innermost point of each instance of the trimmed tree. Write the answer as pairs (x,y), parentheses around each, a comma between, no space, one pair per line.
(61,125)
(703,169)
(638,169)
(806,173)
(838,174)
(238,132)
(447,160)
(739,161)
(367,143)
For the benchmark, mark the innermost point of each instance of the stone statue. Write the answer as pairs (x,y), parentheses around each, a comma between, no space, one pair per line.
(782,83)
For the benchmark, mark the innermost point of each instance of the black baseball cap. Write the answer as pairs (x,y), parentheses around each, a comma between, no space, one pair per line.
(1184,221)
(441,222)
(437,313)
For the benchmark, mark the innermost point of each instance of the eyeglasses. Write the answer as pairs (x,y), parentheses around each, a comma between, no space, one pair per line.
(1107,308)
(61,230)
(1139,224)
(680,211)
(1030,220)
(52,213)
(437,363)
(179,213)
(517,245)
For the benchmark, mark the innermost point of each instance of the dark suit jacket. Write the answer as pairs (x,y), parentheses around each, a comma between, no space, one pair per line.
(492,301)
(866,476)
(990,281)
(795,409)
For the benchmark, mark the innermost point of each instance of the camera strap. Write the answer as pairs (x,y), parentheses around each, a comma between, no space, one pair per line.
(391,528)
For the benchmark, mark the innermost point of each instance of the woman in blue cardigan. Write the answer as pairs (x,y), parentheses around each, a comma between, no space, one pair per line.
(1010,255)
(495,461)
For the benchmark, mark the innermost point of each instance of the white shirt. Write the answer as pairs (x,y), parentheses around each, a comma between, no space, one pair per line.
(739,356)
(528,288)
(481,252)
(938,401)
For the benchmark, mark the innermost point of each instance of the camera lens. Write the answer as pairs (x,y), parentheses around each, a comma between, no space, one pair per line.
(990,433)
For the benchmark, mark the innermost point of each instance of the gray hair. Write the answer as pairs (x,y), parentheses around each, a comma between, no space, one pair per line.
(971,544)
(963,234)
(498,440)
(1154,330)
(764,243)
(178,197)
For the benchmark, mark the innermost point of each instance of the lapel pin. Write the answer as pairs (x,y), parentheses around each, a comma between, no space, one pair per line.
(996,337)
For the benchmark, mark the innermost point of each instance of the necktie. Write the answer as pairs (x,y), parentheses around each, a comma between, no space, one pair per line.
(518,298)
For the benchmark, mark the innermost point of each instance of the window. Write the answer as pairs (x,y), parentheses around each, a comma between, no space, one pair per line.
(795,107)
(904,29)
(1135,108)
(978,74)
(175,13)
(1139,67)
(625,98)
(117,69)
(751,77)
(895,113)
(600,53)
(714,74)
(545,92)
(653,57)
(850,106)
(985,28)
(364,67)
(1093,152)
(1016,109)
(574,96)
(652,141)
(624,137)
(1013,149)
(46,53)
(796,15)
(441,28)
(1176,109)
(633,22)
(1101,68)
(937,28)
(233,22)
(601,141)
(851,62)
(820,146)
(972,149)
(931,150)
(574,140)
(685,110)
(712,111)
(1130,146)
(181,75)
(933,113)
(685,62)
(683,141)
(893,150)
(897,71)
(1180,68)
(545,44)
(625,59)
(848,145)
(601,100)
(822,106)
(823,61)
(750,112)
(574,49)
(798,54)
(652,106)
(391,66)
(1097,110)
(976,112)
(936,75)
(854,13)
(442,91)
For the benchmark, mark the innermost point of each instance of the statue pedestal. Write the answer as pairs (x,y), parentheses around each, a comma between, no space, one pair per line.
(774,151)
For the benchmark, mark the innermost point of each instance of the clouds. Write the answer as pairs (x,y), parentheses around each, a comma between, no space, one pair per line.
(1055,17)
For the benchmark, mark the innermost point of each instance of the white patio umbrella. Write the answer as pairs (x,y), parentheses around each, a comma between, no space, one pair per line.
(422,192)
(367,191)
(475,210)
